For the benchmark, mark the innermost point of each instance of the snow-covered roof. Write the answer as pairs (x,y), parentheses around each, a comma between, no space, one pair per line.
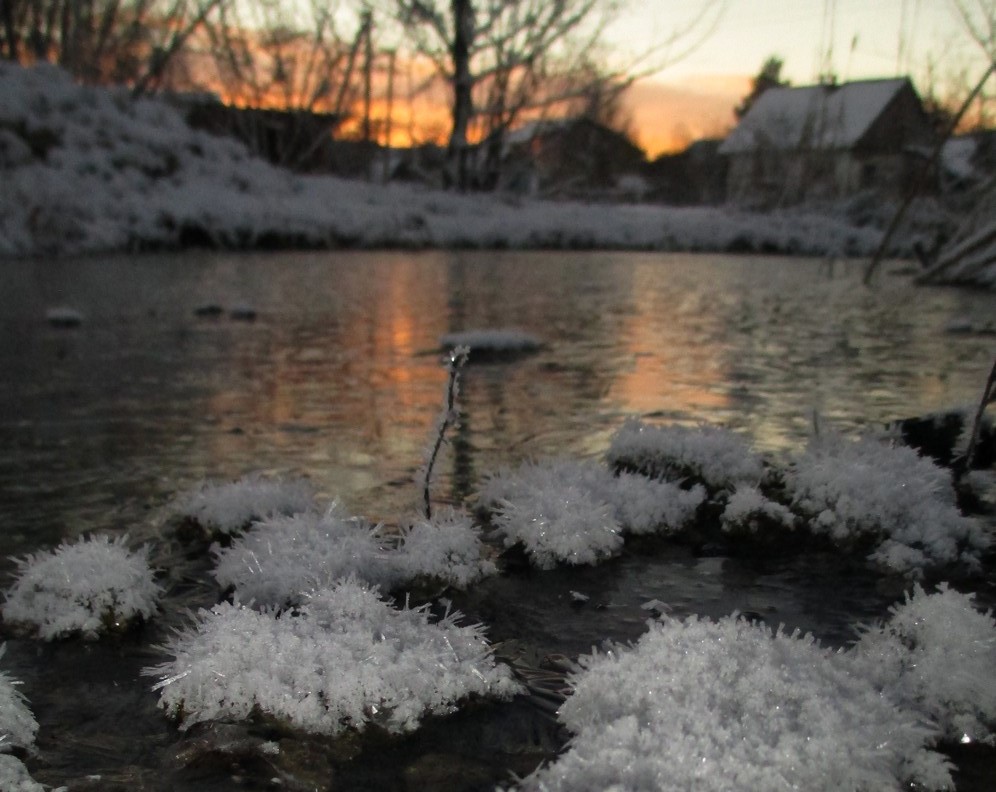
(812,116)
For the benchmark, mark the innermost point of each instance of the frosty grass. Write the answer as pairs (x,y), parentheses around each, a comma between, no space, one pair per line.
(87,587)
(344,659)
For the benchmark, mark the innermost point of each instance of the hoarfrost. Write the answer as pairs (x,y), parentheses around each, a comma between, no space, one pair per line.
(229,508)
(285,556)
(343,660)
(86,587)
(866,492)
(748,509)
(14,776)
(733,705)
(717,457)
(936,656)
(18,726)
(563,510)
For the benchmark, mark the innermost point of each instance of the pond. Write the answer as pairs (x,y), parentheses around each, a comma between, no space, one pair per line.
(327,365)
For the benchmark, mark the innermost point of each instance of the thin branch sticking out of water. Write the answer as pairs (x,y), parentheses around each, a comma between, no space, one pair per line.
(447,418)
(988,394)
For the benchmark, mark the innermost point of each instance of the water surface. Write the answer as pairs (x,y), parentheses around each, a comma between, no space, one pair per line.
(339,378)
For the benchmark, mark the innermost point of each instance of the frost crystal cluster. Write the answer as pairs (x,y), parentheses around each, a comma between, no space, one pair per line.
(713,456)
(17,725)
(749,510)
(285,556)
(228,509)
(14,776)
(343,660)
(936,656)
(732,705)
(866,493)
(87,587)
(564,511)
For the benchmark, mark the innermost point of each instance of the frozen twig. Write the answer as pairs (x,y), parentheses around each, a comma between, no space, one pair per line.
(449,415)
(988,395)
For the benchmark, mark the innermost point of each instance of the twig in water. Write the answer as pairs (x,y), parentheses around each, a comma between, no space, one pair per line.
(446,419)
(988,394)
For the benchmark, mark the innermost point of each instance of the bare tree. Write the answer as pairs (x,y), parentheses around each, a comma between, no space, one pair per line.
(506,59)
(103,41)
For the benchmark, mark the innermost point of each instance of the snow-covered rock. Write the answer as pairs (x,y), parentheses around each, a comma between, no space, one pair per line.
(345,659)
(87,587)
(733,705)
(936,656)
(446,548)
(866,493)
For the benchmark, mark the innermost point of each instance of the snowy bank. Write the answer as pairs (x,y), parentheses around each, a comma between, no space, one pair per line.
(87,169)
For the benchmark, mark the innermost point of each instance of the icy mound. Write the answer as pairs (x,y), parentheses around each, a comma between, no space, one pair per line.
(446,548)
(14,776)
(868,494)
(936,655)
(18,726)
(344,660)
(225,510)
(713,456)
(285,556)
(91,586)
(564,511)
(731,705)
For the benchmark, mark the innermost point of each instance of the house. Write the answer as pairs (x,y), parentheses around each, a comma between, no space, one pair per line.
(695,176)
(570,158)
(827,141)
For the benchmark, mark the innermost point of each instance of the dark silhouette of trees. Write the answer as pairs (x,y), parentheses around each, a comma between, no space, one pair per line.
(768,77)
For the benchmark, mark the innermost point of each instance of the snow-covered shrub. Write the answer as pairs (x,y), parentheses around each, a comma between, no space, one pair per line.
(447,548)
(87,587)
(225,510)
(749,511)
(343,660)
(936,656)
(866,494)
(638,504)
(18,726)
(282,557)
(732,705)
(14,776)
(716,457)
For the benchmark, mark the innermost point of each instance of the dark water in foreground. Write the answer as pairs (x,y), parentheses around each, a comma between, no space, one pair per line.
(337,379)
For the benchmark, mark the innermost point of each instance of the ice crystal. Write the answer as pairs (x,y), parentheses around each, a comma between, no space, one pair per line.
(936,656)
(748,509)
(733,705)
(714,456)
(447,547)
(343,660)
(17,725)
(14,776)
(229,508)
(86,587)
(868,493)
(285,556)
(576,512)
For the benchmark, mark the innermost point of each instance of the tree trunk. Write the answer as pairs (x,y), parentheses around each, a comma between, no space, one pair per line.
(463,84)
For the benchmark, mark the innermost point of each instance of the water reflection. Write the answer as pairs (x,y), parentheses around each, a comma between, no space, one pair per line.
(338,378)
